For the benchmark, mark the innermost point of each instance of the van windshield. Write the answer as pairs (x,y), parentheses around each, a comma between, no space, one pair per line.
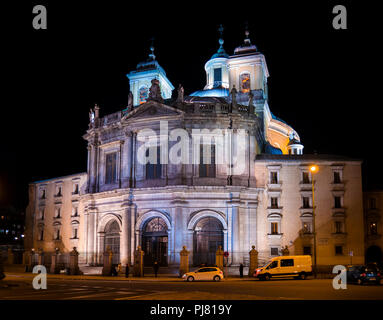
(265,265)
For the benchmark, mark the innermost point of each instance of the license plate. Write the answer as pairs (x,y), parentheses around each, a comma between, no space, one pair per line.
(372,279)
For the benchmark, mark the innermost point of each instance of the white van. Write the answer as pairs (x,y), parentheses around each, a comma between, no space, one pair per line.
(285,266)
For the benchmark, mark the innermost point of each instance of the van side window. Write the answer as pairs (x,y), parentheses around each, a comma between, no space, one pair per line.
(287,263)
(273,265)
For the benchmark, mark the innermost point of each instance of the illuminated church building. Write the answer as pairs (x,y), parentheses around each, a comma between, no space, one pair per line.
(122,203)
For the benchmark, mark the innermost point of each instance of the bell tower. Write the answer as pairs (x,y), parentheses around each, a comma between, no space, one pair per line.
(248,69)
(140,80)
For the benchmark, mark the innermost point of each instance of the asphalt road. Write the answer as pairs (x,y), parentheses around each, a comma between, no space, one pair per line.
(63,289)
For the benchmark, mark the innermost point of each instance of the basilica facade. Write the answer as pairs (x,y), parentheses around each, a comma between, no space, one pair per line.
(212,168)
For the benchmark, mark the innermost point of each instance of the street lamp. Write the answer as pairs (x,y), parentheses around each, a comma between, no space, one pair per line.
(314,169)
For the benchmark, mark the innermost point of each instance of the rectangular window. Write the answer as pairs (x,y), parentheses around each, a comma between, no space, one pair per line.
(154,170)
(305,177)
(372,203)
(337,202)
(207,170)
(58,213)
(274,177)
(274,228)
(75,230)
(373,228)
(58,191)
(111,168)
(306,202)
(338,227)
(58,234)
(217,74)
(274,202)
(75,188)
(41,235)
(306,227)
(274,251)
(337,177)
(307,250)
(287,263)
(338,250)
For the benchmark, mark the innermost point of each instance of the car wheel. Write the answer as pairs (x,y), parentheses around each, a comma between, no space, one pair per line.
(190,278)
(302,276)
(217,278)
(360,281)
(266,277)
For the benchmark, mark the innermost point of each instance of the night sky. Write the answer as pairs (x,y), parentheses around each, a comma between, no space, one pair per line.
(323,82)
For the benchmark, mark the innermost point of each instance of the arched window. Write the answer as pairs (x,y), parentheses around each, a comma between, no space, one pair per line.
(112,240)
(156,225)
(143,94)
(244,80)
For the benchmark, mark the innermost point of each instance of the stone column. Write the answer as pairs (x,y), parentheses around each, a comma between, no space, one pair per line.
(124,237)
(219,258)
(54,259)
(25,258)
(184,261)
(253,261)
(40,260)
(90,240)
(108,258)
(10,257)
(133,242)
(285,251)
(32,261)
(235,233)
(138,262)
(73,262)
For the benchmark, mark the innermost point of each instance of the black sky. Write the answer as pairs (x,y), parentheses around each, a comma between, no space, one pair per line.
(323,82)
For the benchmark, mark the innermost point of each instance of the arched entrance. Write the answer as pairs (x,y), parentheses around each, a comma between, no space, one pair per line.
(155,242)
(112,239)
(374,254)
(208,236)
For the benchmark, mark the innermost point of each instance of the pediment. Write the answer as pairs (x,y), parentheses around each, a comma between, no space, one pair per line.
(152,109)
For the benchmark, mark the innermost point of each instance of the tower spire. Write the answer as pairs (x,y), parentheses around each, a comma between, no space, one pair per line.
(247,39)
(221,51)
(151,55)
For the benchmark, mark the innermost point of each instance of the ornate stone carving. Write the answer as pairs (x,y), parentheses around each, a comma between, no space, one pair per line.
(130,101)
(155,91)
(180,97)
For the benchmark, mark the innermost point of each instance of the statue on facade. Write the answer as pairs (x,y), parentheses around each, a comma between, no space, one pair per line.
(180,97)
(251,106)
(91,115)
(130,101)
(233,93)
(155,91)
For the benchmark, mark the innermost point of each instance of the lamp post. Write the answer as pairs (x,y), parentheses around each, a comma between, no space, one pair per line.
(314,169)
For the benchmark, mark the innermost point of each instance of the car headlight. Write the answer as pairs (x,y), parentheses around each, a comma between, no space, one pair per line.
(184,276)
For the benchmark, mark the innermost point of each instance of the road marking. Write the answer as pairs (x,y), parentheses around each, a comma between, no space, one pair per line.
(89,296)
(143,295)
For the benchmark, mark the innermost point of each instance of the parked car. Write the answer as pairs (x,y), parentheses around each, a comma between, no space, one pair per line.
(285,266)
(361,274)
(206,273)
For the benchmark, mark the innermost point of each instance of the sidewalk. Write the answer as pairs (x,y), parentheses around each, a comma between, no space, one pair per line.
(14,276)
